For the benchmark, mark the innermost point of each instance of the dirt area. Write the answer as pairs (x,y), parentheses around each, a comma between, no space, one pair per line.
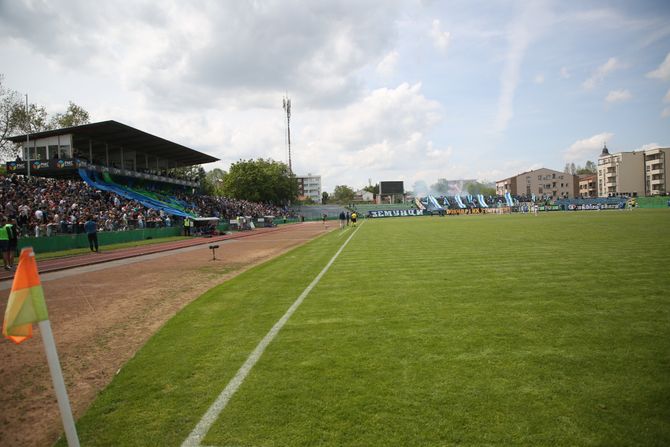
(101,318)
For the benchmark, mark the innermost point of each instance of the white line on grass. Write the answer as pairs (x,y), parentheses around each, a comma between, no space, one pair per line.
(200,430)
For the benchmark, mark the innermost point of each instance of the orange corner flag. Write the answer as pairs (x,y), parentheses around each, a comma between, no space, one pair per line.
(26,301)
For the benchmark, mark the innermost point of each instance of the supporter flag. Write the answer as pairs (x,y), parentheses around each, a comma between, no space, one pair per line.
(26,301)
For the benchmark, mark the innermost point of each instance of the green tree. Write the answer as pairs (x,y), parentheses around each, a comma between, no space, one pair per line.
(441,187)
(373,189)
(590,168)
(9,104)
(343,194)
(261,181)
(213,182)
(74,116)
(475,188)
(324,197)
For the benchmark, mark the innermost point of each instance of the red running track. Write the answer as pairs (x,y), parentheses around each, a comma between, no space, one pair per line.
(52,265)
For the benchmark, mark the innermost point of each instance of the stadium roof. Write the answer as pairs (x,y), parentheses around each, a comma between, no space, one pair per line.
(118,134)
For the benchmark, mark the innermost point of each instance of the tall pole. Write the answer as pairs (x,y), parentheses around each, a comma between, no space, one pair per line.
(287,109)
(27,138)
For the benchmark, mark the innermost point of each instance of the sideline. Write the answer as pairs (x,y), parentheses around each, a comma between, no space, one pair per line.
(197,435)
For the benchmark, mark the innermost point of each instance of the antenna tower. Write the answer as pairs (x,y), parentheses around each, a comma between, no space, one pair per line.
(287,109)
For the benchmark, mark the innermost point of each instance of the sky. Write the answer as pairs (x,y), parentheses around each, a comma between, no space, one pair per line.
(380,90)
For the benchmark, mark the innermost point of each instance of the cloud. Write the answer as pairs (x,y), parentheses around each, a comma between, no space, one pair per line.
(663,71)
(602,71)
(564,73)
(440,38)
(213,54)
(539,79)
(646,147)
(665,112)
(588,148)
(666,98)
(387,65)
(620,95)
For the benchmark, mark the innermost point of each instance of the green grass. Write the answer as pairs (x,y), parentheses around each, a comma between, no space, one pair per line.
(106,248)
(464,330)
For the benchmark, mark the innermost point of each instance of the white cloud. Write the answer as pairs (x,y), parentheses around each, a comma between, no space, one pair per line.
(665,112)
(620,95)
(539,79)
(666,98)
(564,73)
(588,148)
(441,38)
(646,147)
(663,71)
(534,20)
(602,71)
(387,65)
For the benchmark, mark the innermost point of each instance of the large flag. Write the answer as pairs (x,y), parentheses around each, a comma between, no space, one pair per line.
(26,301)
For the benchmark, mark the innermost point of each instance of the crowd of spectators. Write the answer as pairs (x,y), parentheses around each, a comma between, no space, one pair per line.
(47,206)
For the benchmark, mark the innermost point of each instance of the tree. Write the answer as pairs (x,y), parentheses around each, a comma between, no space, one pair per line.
(260,181)
(475,188)
(9,103)
(74,116)
(15,118)
(324,197)
(374,189)
(343,194)
(590,168)
(573,169)
(213,182)
(441,187)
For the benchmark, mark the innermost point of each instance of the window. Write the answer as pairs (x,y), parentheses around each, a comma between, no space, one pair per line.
(553,175)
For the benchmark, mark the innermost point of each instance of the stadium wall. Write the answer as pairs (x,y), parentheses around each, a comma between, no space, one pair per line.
(70,241)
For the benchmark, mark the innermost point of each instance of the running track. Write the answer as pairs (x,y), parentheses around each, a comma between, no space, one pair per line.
(52,265)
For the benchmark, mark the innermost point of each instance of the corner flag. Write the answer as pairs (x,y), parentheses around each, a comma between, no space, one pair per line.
(26,306)
(26,300)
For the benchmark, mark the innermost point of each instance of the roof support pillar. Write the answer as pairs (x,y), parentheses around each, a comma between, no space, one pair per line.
(107,154)
(90,151)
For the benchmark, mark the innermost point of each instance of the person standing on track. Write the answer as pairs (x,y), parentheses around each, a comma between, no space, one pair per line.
(4,242)
(343,219)
(354,217)
(187,226)
(91,229)
(13,233)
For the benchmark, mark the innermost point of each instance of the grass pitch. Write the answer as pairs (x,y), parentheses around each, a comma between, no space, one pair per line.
(462,330)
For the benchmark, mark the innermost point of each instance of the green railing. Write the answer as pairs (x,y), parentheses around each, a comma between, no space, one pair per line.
(653,202)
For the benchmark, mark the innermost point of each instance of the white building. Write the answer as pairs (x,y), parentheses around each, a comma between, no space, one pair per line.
(309,186)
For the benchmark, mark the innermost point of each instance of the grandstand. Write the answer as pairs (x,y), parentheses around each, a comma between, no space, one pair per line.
(113,157)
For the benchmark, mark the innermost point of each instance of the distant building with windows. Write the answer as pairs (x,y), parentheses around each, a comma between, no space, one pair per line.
(588,185)
(544,183)
(657,171)
(309,186)
(634,173)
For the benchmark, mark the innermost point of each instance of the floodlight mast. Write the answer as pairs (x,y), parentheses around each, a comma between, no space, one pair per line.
(287,109)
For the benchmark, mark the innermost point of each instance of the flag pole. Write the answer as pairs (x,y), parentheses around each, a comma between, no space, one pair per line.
(59,384)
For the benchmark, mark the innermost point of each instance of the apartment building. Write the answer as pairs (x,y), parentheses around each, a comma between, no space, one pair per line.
(621,173)
(657,180)
(542,182)
(309,186)
(588,185)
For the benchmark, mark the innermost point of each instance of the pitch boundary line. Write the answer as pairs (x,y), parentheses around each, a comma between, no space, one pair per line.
(200,431)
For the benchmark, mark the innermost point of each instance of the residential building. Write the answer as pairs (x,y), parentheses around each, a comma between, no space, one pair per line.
(588,185)
(542,182)
(657,172)
(309,186)
(364,196)
(621,174)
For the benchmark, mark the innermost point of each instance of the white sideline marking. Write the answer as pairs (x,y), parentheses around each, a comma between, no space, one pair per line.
(220,403)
